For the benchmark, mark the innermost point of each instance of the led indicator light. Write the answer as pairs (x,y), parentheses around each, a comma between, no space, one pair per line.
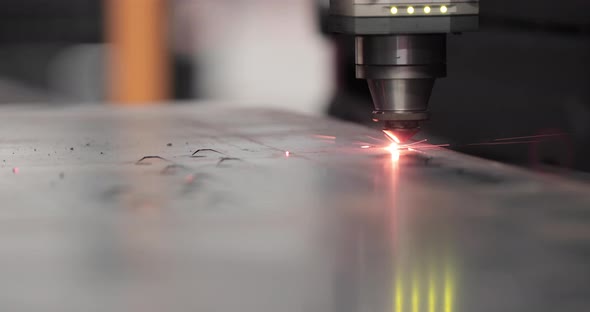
(444,9)
(410,10)
(427,9)
(393,10)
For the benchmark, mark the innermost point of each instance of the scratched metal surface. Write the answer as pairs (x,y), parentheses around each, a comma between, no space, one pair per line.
(333,227)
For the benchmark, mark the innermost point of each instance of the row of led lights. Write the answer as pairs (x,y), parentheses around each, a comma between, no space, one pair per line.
(427,9)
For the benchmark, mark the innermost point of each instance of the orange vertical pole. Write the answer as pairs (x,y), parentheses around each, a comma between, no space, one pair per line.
(138,62)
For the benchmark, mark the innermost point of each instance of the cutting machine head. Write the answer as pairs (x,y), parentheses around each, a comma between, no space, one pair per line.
(401,50)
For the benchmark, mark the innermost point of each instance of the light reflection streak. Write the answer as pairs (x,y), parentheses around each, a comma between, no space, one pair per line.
(449,289)
(399,293)
(430,287)
(432,290)
(440,293)
(416,293)
(390,135)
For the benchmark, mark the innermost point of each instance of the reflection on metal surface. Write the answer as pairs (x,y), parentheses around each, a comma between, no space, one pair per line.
(415,292)
(432,286)
(390,135)
(399,293)
(334,228)
(432,283)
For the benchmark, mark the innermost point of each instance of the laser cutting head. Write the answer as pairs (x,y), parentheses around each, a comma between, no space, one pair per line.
(401,50)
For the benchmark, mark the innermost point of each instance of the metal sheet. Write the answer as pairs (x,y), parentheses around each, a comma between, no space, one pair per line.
(328,226)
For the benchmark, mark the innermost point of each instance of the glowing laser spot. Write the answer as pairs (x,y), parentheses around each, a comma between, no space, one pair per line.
(391,136)
(287,153)
(393,148)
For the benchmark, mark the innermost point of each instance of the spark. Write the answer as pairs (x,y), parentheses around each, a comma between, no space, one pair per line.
(287,153)
(365,146)
(325,137)
(415,143)
(532,137)
(503,143)
(374,138)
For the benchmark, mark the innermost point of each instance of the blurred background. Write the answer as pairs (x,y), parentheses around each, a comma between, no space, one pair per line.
(525,73)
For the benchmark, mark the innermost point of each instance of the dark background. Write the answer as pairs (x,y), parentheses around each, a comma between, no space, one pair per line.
(526,72)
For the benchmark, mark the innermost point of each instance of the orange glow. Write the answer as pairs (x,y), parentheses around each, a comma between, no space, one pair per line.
(391,136)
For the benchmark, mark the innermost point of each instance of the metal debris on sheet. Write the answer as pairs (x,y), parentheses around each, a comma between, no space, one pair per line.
(223,160)
(143,160)
(173,169)
(203,150)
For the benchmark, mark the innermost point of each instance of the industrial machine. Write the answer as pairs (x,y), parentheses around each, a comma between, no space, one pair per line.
(401,50)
